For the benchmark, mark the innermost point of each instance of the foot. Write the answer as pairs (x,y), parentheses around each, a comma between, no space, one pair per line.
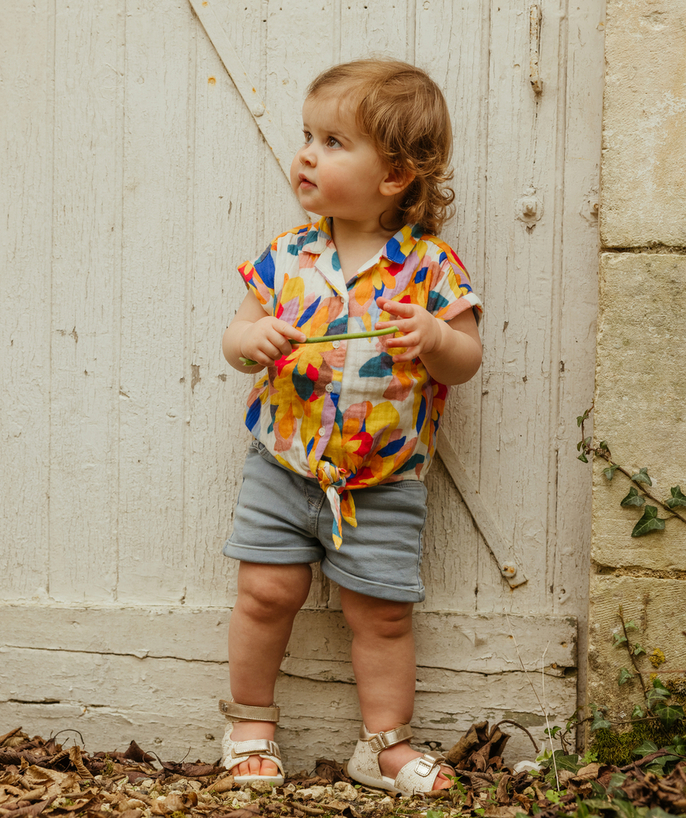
(392,759)
(254,765)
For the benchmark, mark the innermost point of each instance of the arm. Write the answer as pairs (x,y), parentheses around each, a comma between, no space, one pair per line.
(451,351)
(255,334)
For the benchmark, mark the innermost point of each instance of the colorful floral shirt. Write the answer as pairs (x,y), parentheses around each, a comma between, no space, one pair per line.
(343,412)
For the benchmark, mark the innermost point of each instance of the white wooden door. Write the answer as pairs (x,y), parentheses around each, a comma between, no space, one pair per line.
(136,178)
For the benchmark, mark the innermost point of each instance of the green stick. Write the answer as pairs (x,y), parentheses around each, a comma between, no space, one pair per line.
(323,339)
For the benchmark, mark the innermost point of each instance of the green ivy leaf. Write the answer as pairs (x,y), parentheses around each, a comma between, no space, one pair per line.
(677,498)
(646,749)
(648,522)
(668,713)
(637,650)
(618,639)
(599,721)
(631,625)
(657,694)
(660,688)
(583,458)
(642,477)
(583,417)
(609,472)
(633,498)
(624,676)
(637,712)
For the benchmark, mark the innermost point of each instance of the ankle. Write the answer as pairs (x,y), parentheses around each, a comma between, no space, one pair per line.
(243,730)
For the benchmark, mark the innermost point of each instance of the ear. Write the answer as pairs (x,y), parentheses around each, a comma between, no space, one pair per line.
(396,181)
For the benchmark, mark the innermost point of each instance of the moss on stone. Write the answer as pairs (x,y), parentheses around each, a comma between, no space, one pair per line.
(618,748)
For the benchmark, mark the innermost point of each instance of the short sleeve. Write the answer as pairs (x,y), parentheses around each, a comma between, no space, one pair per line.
(451,290)
(259,277)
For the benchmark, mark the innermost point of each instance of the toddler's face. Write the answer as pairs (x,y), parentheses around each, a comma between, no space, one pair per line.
(337,171)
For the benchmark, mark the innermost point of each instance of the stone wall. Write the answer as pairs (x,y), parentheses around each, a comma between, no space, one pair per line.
(640,404)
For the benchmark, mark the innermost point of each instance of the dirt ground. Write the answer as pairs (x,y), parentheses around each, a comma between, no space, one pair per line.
(43,777)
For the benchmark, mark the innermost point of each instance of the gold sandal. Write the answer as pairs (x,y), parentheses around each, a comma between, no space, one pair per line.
(235,752)
(417,776)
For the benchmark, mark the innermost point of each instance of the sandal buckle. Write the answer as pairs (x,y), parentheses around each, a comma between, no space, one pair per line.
(379,742)
(426,763)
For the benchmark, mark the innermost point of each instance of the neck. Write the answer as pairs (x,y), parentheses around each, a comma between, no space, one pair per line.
(357,243)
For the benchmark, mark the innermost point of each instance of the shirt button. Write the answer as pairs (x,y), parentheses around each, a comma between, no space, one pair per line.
(329,387)
(322,432)
(336,344)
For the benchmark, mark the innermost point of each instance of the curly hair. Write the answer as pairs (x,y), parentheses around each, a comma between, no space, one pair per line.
(402,110)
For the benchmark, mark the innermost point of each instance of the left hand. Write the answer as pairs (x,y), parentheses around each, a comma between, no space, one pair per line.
(421,331)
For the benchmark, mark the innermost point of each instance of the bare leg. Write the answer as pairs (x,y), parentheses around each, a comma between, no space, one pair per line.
(385,670)
(269,596)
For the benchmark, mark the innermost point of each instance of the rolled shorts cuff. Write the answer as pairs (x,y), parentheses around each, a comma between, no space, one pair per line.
(271,556)
(380,590)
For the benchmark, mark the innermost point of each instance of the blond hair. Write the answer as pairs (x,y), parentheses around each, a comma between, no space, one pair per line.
(402,110)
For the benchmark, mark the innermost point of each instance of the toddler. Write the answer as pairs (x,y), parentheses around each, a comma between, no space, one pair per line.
(344,429)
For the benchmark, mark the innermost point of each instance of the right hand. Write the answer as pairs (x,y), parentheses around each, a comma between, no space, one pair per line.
(268,339)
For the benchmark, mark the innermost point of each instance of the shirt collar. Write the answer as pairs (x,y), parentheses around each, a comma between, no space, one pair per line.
(396,249)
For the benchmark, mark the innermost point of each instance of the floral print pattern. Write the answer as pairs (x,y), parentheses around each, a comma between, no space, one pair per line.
(341,411)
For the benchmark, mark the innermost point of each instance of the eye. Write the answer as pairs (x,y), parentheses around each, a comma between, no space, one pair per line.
(307,137)
(332,142)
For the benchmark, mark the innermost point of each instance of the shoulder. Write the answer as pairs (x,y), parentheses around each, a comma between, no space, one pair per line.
(298,237)
(436,249)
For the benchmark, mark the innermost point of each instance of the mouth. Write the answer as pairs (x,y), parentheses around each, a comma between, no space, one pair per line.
(304,182)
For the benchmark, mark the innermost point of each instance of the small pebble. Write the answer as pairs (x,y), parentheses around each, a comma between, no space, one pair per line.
(261,786)
(345,790)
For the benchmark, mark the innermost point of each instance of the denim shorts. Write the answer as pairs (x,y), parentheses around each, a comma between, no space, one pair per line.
(283,518)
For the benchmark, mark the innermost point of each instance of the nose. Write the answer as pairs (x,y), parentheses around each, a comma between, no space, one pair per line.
(307,155)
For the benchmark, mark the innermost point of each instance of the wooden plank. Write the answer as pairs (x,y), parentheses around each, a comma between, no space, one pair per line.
(26,157)
(169,702)
(243,82)
(577,312)
(157,240)
(85,301)
(519,417)
(226,203)
(458,63)
(179,718)
(289,69)
(366,28)
(500,550)
(455,642)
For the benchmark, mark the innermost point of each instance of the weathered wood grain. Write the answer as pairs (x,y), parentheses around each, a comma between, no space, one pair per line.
(156,246)
(86,304)
(452,641)
(135,182)
(26,159)
(155,675)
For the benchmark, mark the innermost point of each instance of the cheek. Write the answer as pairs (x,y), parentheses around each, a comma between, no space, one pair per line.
(295,170)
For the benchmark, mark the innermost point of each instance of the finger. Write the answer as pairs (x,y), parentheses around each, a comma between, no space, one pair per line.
(289,331)
(410,354)
(395,307)
(279,346)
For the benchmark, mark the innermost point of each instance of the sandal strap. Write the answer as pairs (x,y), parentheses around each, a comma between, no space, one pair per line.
(254,747)
(417,776)
(247,712)
(386,738)
(426,763)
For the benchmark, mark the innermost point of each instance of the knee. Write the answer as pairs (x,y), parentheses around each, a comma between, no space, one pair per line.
(266,592)
(381,618)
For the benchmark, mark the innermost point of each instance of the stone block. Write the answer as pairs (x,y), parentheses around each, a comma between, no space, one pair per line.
(640,407)
(643,177)
(656,606)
